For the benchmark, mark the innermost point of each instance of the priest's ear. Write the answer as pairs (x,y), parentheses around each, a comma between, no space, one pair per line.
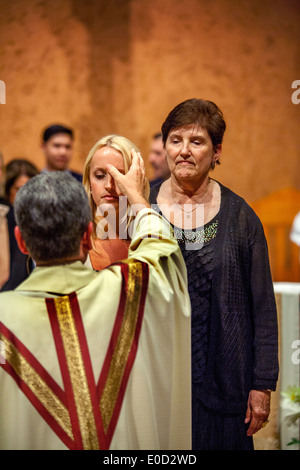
(87,236)
(86,243)
(20,241)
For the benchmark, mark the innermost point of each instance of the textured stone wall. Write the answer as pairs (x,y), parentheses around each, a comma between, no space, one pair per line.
(119,66)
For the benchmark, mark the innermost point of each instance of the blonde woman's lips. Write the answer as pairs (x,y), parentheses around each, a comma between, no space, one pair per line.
(110,198)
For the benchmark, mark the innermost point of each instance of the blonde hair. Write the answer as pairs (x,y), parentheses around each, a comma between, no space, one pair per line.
(124,146)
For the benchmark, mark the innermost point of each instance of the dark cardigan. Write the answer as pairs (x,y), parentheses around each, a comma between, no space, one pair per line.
(243,343)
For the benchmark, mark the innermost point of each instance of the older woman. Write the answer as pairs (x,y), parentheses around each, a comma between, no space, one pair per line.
(234,321)
(110,212)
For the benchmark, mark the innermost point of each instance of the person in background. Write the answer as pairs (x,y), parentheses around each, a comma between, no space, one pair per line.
(295,231)
(157,159)
(57,146)
(234,319)
(94,360)
(110,212)
(2,200)
(4,241)
(17,172)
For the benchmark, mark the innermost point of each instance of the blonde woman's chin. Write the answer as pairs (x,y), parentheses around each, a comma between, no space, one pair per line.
(108,207)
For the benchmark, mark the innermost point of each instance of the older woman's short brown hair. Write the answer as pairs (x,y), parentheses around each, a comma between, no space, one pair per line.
(196,111)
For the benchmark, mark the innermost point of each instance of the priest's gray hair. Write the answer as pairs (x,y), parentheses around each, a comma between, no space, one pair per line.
(52,211)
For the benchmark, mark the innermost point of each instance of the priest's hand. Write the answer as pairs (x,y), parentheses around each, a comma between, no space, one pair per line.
(132,184)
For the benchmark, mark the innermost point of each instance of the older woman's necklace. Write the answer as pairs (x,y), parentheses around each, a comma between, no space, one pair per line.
(184,211)
(189,212)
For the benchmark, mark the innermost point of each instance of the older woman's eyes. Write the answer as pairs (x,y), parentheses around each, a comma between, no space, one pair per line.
(100,176)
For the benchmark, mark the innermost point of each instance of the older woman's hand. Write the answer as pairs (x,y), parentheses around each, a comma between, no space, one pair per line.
(258,410)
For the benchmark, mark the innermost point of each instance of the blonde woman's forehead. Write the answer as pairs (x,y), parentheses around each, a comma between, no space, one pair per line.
(106,155)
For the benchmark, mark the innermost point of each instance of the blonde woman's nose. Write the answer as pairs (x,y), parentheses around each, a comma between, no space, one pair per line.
(109,182)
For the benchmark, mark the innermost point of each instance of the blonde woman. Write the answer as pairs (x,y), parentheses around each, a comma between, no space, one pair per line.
(110,211)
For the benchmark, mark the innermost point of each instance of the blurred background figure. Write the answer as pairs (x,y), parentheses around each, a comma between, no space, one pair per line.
(295,232)
(57,146)
(157,159)
(17,173)
(4,243)
(1,179)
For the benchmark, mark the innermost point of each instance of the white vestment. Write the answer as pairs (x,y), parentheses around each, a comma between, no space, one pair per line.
(155,409)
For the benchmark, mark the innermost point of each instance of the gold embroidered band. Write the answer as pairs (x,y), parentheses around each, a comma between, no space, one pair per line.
(123,344)
(44,393)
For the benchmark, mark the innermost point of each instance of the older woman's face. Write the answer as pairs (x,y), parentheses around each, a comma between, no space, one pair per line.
(190,152)
(103,187)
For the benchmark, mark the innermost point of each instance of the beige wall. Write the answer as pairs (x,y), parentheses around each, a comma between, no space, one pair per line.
(119,66)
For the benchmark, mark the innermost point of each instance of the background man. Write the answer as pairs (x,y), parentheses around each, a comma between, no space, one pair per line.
(94,360)
(158,160)
(57,146)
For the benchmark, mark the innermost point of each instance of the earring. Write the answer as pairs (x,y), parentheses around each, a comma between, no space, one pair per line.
(212,165)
